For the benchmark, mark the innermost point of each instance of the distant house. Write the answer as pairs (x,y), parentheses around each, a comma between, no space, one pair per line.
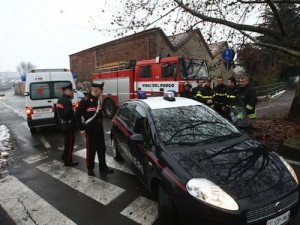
(147,45)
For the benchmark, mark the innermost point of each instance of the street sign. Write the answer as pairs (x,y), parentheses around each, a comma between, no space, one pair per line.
(227,55)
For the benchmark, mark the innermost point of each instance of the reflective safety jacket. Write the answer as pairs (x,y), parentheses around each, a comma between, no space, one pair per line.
(206,93)
(249,98)
(231,97)
(86,109)
(219,97)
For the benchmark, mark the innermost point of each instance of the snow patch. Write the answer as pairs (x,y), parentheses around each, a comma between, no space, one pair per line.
(5,148)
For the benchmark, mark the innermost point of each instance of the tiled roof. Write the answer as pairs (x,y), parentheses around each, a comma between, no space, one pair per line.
(179,39)
(217,47)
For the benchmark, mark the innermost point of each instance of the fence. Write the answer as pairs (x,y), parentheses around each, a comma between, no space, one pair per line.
(269,90)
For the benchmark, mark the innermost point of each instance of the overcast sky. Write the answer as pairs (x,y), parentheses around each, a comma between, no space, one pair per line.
(46,32)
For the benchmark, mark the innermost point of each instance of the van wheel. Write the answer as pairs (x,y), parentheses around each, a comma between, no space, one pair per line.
(109,108)
(32,130)
(166,213)
(115,151)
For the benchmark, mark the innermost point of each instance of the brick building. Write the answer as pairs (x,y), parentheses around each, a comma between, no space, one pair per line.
(147,45)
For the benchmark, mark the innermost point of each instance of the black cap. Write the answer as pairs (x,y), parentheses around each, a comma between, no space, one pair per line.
(209,79)
(98,85)
(69,86)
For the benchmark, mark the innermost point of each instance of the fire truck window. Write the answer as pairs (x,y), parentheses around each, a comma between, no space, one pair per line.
(168,71)
(145,71)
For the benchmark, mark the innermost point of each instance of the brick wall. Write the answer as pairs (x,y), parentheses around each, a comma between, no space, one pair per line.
(140,46)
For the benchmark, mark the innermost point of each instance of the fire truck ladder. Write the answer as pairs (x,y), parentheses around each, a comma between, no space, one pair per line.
(115,66)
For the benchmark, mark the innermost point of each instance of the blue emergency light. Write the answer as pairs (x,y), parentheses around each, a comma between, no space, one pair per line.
(174,92)
(142,95)
(169,96)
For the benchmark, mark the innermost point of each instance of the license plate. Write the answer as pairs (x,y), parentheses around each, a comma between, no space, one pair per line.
(279,219)
(42,110)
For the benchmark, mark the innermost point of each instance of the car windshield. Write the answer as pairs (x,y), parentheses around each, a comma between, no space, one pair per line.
(193,69)
(192,125)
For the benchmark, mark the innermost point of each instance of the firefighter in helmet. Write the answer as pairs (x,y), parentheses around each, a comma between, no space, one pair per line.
(187,93)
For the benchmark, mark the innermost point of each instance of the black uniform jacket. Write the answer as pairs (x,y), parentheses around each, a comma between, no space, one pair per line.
(87,108)
(219,94)
(65,108)
(232,95)
(249,98)
(186,94)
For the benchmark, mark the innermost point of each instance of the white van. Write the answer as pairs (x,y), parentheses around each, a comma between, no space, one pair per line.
(42,89)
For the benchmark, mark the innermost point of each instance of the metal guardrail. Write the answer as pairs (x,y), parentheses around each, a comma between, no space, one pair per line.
(269,90)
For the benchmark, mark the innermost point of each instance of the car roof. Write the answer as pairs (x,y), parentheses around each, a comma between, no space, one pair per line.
(160,103)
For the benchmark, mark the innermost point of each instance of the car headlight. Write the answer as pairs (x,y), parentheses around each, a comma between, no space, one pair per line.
(289,167)
(210,193)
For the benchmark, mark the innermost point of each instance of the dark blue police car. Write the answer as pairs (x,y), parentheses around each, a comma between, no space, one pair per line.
(201,168)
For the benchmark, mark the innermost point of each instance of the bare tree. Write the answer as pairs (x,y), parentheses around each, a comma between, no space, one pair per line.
(237,21)
(24,68)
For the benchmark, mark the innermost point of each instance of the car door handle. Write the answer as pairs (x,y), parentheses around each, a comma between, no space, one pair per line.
(49,101)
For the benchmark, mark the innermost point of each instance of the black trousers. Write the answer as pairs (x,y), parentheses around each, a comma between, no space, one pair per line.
(69,139)
(95,142)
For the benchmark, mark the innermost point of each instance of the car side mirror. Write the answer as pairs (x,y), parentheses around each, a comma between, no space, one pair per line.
(26,93)
(137,137)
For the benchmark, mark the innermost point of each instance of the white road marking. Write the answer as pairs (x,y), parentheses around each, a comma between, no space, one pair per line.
(142,210)
(293,162)
(19,113)
(35,158)
(27,208)
(93,187)
(44,141)
(109,161)
(62,147)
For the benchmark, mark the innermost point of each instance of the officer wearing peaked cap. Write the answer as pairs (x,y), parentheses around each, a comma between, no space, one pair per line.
(90,108)
(66,123)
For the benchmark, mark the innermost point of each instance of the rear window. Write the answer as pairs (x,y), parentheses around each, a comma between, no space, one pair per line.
(47,90)
(40,90)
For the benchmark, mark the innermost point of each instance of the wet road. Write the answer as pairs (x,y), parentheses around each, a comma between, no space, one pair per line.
(70,199)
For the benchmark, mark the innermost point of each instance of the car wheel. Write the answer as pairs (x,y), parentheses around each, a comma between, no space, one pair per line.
(109,108)
(166,213)
(115,151)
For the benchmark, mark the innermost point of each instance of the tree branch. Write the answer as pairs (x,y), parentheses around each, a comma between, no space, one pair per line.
(227,23)
(275,47)
(276,15)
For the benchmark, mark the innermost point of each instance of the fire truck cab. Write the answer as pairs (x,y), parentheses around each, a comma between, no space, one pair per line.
(123,80)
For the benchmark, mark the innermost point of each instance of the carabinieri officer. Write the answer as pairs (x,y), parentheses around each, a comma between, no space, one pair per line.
(90,108)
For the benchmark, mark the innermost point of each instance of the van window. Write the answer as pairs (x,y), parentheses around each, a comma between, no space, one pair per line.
(57,85)
(40,90)
(47,90)
(145,71)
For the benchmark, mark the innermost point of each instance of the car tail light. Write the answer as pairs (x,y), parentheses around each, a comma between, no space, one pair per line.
(29,111)
(75,106)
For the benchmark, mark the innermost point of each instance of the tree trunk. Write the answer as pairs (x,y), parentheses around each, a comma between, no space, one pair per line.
(294,113)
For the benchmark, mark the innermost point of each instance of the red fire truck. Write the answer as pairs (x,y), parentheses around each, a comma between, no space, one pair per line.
(155,76)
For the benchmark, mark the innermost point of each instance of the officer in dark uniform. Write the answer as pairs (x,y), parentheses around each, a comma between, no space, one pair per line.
(219,96)
(196,90)
(90,108)
(187,93)
(232,95)
(248,96)
(65,118)
(206,93)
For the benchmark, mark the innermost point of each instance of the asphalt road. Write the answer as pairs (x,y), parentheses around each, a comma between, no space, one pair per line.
(40,190)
